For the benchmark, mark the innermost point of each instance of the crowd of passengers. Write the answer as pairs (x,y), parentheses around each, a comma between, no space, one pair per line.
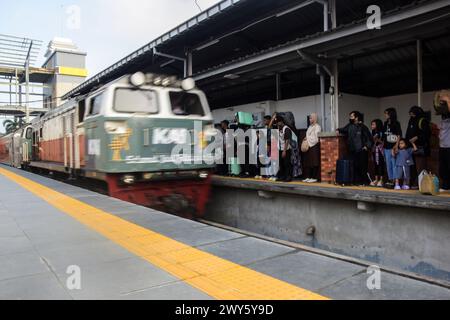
(398,156)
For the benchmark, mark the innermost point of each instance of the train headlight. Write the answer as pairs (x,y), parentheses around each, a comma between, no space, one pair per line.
(147,176)
(128,179)
(168,81)
(116,127)
(188,84)
(157,81)
(138,79)
(203,175)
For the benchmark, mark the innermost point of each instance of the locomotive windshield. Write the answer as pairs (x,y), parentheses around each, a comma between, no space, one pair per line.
(135,101)
(186,104)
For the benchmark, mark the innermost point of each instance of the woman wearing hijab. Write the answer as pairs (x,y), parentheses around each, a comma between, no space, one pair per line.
(311,150)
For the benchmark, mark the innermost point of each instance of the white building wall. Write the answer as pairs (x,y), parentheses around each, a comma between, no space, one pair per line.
(373,108)
(369,106)
(404,102)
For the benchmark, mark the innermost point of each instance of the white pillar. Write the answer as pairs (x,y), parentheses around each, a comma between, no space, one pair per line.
(419,73)
(189,68)
(335,96)
(333,14)
(27,95)
(278,86)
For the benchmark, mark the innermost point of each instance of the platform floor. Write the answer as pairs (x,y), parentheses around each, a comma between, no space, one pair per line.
(410,198)
(126,251)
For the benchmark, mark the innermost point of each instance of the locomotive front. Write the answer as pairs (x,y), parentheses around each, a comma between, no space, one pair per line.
(147,136)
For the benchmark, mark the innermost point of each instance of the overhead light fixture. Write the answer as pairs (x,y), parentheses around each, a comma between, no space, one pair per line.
(231,76)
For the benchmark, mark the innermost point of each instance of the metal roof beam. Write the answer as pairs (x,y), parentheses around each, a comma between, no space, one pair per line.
(337,34)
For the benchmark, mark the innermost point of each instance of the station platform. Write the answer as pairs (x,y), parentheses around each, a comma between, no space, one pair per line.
(404,198)
(124,251)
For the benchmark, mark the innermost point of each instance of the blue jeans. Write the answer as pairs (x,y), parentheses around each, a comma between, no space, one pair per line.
(390,164)
(403,172)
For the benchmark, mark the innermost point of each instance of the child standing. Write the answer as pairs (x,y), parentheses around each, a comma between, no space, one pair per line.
(378,153)
(403,161)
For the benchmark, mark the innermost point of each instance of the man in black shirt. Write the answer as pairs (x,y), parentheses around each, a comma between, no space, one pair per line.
(359,144)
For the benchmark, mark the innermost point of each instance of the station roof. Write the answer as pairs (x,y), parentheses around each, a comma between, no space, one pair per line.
(19,111)
(37,75)
(255,39)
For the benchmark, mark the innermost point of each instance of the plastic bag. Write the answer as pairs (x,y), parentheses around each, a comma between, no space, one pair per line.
(428,183)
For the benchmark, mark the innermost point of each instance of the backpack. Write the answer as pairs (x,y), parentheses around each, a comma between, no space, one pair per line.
(288,118)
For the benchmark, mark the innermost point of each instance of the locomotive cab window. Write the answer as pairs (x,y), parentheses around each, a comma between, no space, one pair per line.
(95,105)
(128,100)
(81,110)
(186,104)
(29,133)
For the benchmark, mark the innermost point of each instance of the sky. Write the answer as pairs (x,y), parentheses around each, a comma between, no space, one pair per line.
(108,30)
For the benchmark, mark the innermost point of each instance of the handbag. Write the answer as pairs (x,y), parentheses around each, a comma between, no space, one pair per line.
(391,138)
(305,146)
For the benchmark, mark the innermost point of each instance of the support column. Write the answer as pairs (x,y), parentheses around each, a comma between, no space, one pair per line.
(27,80)
(27,90)
(323,116)
(189,68)
(335,96)
(17,88)
(278,86)
(326,18)
(10,91)
(332,9)
(419,73)
(20,95)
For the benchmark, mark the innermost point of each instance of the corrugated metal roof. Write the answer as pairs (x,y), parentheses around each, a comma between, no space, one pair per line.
(362,21)
(265,35)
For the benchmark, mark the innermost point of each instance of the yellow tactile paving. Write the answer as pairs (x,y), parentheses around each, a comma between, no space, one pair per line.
(326,185)
(217,277)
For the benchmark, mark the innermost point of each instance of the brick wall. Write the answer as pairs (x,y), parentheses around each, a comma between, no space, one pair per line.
(332,148)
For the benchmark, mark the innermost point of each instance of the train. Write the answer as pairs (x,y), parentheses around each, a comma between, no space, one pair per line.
(124,134)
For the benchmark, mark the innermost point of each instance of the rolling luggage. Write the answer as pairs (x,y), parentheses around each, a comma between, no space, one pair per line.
(344,172)
(234,167)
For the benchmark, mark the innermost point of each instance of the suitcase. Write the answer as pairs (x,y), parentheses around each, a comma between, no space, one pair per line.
(344,172)
(234,167)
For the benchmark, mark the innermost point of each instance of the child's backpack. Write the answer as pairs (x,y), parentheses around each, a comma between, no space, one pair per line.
(428,183)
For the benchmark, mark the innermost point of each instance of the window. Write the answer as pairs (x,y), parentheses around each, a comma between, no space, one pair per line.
(135,101)
(96,105)
(186,104)
(29,133)
(81,110)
